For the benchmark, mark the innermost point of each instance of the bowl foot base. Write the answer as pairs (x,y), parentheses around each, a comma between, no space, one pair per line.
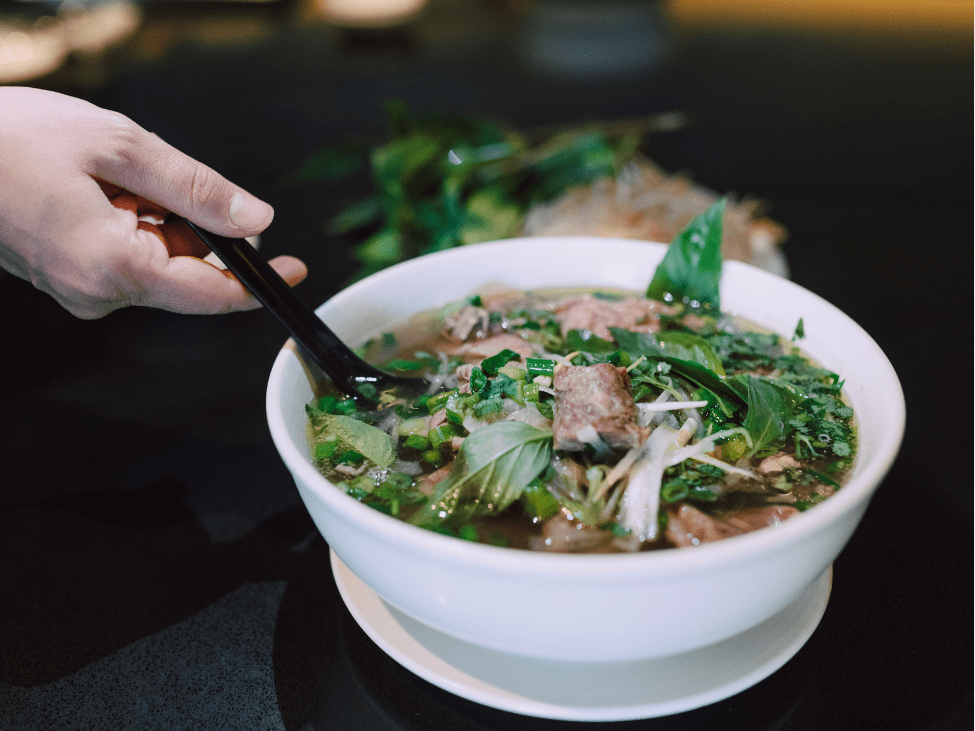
(567,691)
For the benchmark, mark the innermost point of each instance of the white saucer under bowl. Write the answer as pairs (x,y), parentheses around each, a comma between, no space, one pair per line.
(567,691)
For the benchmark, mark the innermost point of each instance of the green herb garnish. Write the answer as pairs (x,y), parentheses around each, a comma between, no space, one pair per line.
(690,272)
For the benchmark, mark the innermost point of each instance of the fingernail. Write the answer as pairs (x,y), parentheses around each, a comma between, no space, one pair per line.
(248,213)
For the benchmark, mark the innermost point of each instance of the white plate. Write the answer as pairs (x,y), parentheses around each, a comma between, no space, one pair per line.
(567,691)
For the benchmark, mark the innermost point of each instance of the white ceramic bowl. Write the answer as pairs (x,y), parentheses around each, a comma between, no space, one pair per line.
(589,607)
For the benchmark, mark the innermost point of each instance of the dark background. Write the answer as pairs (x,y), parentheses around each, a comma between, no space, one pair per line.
(157,569)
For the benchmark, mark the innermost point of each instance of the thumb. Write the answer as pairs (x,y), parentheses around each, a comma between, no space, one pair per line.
(159,172)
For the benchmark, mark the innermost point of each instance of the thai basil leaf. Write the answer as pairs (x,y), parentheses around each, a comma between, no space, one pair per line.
(494,466)
(372,443)
(676,344)
(691,269)
(587,342)
(357,216)
(401,162)
(572,159)
(727,407)
(768,415)
(791,392)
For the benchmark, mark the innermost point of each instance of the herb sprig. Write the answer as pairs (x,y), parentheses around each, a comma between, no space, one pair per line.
(442,181)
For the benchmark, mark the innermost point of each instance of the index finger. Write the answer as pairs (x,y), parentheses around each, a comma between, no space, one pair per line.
(144,164)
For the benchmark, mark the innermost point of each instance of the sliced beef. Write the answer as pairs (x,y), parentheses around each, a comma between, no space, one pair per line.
(480,349)
(428,483)
(777,463)
(597,396)
(561,534)
(469,321)
(463,373)
(690,527)
(754,518)
(586,312)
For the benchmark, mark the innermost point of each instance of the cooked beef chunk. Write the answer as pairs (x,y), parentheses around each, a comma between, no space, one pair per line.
(597,396)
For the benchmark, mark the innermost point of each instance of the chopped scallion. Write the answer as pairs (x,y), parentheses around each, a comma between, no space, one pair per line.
(491,365)
(479,381)
(325,450)
(514,372)
(349,457)
(415,441)
(345,407)
(435,403)
(539,503)
(488,407)
(540,367)
(434,457)
(443,433)
(399,364)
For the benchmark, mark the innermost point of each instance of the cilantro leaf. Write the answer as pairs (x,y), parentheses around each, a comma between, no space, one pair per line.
(745,351)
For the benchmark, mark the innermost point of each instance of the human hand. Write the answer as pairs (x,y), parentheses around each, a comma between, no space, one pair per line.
(75,181)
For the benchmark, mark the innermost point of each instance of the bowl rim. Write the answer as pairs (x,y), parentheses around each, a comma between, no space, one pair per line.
(398,534)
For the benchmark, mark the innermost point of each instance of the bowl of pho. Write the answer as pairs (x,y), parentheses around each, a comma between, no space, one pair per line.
(622,450)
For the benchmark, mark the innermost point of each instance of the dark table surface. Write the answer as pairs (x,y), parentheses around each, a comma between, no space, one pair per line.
(157,569)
